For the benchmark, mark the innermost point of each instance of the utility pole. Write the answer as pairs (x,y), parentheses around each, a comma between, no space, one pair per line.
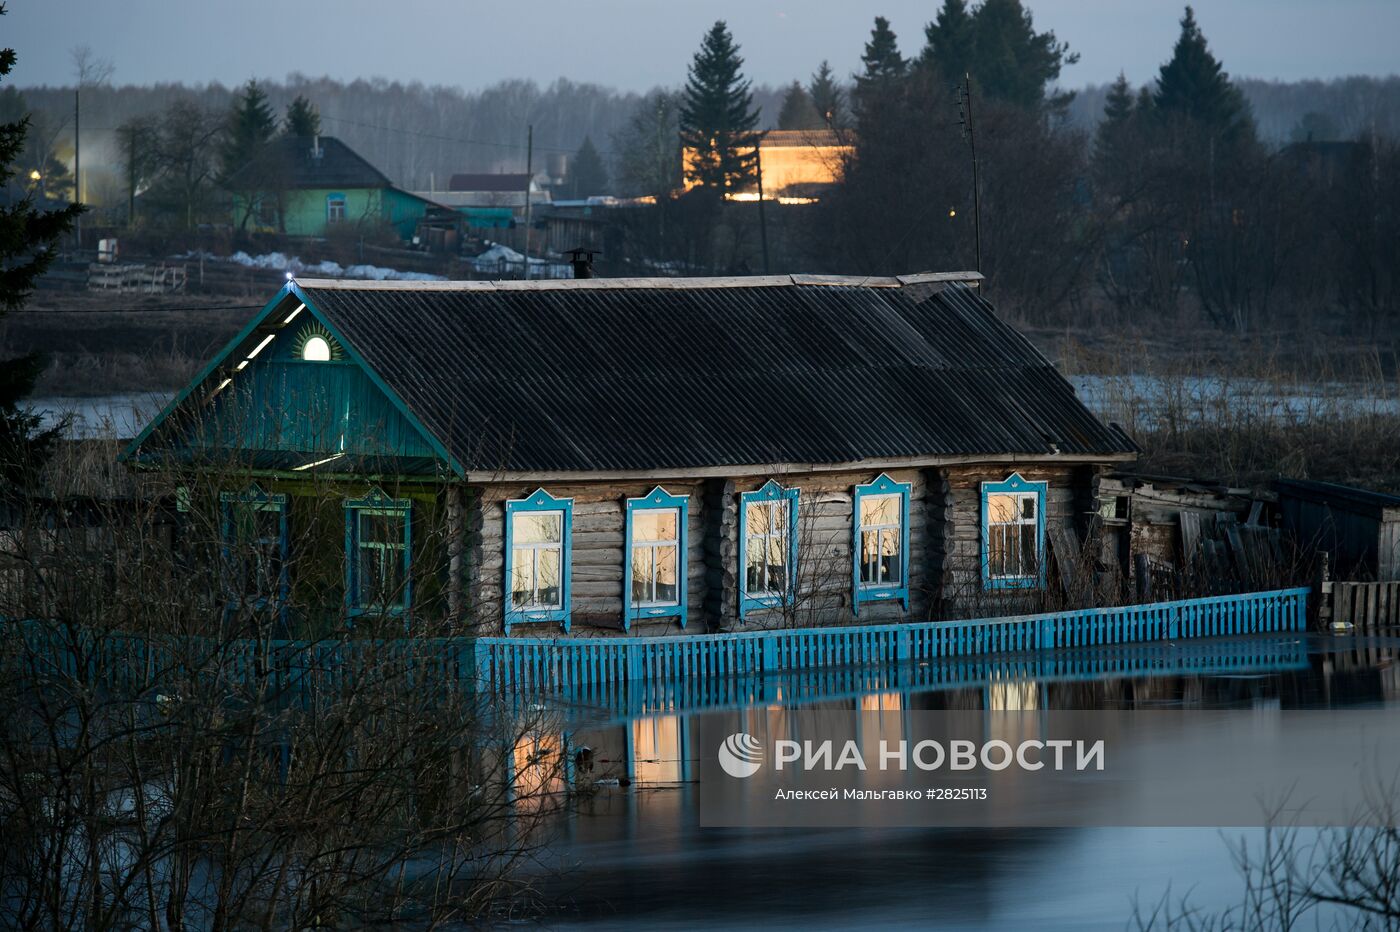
(970,134)
(762,219)
(529,176)
(77,160)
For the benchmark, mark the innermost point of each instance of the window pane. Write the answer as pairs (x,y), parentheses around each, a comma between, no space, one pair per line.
(1001,509)
(522,576)
(890,557)
(879,509)
(1013,551)
(1028,506)
(1030,559)
(869,556)
(372,585)
(549,590)
(753,569)
(757,518)
(655,524)
(780,518)
(667,580)
(540,527)
(641,574)
(381,529)
(996,550)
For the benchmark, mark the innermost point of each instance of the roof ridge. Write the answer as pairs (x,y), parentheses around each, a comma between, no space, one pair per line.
(558,284)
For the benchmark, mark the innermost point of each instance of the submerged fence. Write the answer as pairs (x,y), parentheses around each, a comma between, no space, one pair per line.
(570,663)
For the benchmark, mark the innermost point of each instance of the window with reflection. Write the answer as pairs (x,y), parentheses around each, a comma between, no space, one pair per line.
(657,750)
(1013,525)
(537,558)
(881,542)
(767,547)
(655,556)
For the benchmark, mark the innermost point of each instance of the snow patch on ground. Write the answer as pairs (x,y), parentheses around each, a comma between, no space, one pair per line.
(326,268)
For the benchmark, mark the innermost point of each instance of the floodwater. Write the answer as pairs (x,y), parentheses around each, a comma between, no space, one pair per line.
(1138,400)
(635,856)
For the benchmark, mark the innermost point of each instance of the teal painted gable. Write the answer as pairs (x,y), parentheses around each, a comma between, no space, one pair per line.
(286,411)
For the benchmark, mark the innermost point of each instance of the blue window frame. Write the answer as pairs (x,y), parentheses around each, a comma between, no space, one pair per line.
(653,560)
(378,554)
(767,547)
(880,548)
(335,207)
(539,558)
(255,546)
(1013,534)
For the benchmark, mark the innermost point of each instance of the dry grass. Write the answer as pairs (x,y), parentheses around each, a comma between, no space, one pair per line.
(1253,416)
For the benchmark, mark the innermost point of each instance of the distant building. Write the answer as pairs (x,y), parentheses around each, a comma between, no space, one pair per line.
(798,165)
(490,200)
(311,184)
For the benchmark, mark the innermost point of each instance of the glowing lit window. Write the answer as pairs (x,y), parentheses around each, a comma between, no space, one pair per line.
(881,544)
(317,349)
(538,538)
(655,557)
(767,547)
(1013,534)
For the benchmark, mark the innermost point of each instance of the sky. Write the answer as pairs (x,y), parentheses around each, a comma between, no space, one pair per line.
(638,44)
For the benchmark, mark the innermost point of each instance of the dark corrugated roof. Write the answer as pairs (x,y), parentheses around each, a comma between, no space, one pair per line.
(338,166)
(488,182)
(640,376)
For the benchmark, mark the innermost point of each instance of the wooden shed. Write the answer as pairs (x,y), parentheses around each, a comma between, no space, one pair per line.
(1358,529)
(656,455)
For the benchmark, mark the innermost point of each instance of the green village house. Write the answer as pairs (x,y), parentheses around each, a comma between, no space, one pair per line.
(662,456)
(308,185)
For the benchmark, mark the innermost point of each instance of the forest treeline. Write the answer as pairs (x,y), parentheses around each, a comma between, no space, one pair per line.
(1193,197)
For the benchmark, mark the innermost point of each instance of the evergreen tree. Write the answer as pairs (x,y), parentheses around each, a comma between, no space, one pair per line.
(948,43)
(27,247)
(797,111)
(718,119)
(587,174)
(250,125)
(1119,109)
(828,99)
(883,65)
(1194,87)
(302,119)
(1013,62)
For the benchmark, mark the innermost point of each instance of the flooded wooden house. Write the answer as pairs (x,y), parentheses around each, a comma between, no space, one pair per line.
(660,456)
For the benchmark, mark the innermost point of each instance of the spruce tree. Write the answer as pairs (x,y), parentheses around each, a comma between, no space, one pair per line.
(28,238)
(797,111)
(1113,140)
(587,174)
(302,119)
(828,99)
(1194,87)
(251,124)
(948,43)
(881,60)
(718,119)
(1011,61)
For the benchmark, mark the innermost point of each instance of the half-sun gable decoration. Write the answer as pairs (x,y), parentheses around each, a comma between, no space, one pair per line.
(1013,533)
(378,554)
(880,549)
(314,343)
(538,559)
(255,546)
(767,547)
(654,564)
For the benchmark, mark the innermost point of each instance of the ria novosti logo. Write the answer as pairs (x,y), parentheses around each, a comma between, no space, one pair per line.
(740,755)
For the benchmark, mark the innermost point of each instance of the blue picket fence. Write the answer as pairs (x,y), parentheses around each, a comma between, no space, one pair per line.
(573,664)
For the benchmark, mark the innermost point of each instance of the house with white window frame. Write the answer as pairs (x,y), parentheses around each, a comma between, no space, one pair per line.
(659,456)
